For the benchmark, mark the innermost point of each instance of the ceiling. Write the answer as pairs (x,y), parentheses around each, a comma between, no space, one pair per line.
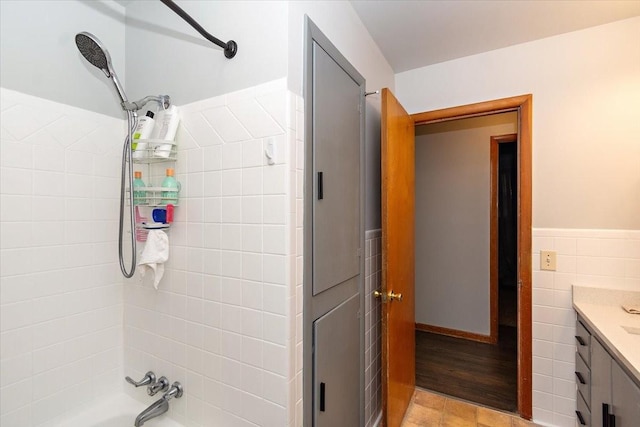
(413,34)
(417,33)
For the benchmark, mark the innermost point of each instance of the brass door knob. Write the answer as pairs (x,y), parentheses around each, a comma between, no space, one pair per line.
(394,296)
(387,297)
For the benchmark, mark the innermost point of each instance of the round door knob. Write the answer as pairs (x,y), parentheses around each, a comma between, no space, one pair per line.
(394,296)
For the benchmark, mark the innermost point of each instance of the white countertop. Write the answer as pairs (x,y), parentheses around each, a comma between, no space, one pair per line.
(601,309)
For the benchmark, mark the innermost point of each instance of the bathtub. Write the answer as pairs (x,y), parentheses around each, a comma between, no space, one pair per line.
(116,411)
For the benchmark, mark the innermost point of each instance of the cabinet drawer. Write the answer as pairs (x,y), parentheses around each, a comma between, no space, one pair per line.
(583,415)
(583,342)
(583,378)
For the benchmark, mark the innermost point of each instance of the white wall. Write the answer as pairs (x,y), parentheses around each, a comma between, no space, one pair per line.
(60,287)
(340,23)
(166,55)
(586,117)
(39,54)
(452,221)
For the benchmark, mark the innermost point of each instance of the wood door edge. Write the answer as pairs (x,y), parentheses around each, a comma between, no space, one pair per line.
(525,320)
(457,333)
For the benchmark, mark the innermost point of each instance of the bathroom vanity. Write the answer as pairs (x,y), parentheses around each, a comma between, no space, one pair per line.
(607,358)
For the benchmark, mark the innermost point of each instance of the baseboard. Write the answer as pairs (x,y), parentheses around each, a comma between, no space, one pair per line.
(472,336)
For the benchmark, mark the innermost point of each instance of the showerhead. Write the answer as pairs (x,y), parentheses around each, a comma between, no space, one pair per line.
(93,51)
(98,56)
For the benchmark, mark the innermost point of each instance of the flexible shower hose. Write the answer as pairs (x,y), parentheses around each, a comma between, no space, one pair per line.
(127,166)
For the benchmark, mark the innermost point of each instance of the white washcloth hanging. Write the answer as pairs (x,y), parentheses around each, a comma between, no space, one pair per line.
(154,255)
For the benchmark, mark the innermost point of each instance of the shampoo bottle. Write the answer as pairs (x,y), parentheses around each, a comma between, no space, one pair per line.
(143,131)
(139,193)
(165,129)
(170,189)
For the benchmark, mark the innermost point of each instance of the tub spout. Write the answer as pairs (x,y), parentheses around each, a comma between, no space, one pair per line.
(160,406)
(157,408)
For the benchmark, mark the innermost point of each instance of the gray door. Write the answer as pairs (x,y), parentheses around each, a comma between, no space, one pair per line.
(600,381)
(625,398)
(333,288)
(336,158)
(336,367)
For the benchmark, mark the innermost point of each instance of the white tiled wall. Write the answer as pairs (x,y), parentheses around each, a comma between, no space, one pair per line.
(373,350)
(60,286)
(603,258)
(225,321)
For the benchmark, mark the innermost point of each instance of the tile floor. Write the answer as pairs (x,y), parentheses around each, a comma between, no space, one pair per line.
(429,409)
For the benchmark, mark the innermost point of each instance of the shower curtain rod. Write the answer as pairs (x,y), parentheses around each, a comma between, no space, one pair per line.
(230,48)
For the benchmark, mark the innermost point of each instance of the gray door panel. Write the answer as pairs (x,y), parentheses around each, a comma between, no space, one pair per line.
(336,155)
(336,366)
(625,398)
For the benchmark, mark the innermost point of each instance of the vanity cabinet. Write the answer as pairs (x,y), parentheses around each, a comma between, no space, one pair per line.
(606,395)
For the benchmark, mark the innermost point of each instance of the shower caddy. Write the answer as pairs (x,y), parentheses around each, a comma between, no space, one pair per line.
(97,55)
(153,168)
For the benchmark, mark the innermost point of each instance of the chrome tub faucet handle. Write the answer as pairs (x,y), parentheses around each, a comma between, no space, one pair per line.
(149,380)
(161,385)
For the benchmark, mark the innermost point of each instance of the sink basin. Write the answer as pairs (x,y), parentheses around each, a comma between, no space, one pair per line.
(632,329)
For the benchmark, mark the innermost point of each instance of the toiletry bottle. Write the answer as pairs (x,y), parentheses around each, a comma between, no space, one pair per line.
(170,189)
(143,131)
(139,194)
(165,129)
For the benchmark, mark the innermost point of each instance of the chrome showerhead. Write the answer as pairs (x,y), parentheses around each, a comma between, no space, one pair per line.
(98,56)
(93,51)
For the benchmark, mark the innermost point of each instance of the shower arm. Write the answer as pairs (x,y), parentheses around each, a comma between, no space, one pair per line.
(230,48)
(162,100)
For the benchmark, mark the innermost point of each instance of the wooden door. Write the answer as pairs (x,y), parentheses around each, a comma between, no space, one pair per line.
(398,316)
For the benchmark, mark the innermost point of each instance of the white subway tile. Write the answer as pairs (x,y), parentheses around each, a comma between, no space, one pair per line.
(212,184)
(274,179)
(15,208)
(49,158)
(18,155)
(252,153)
(252,238)
(232,209)
(252,294)
(255,119)
(17,181)
(196,125)
(232,182)
(274,209)
(231,237)
(226,125)
(252,210)
(253,267)
(252,181)
(15,395)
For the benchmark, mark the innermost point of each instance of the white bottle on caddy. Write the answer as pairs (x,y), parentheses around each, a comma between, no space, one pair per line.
(165,129)
(144,129)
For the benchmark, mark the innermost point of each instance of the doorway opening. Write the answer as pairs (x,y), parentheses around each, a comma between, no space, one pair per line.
(398,260)
(465,235)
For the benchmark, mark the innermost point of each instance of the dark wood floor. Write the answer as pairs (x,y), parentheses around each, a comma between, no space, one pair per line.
(478,372)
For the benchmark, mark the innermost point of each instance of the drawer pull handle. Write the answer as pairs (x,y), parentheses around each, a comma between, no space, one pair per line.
(612,420)
(580,340)
(580,378)
(605,415)
(581,418)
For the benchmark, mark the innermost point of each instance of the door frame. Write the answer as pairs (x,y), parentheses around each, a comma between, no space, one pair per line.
(522,104)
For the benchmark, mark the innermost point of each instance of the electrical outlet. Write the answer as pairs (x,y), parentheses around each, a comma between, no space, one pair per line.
(548,260)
